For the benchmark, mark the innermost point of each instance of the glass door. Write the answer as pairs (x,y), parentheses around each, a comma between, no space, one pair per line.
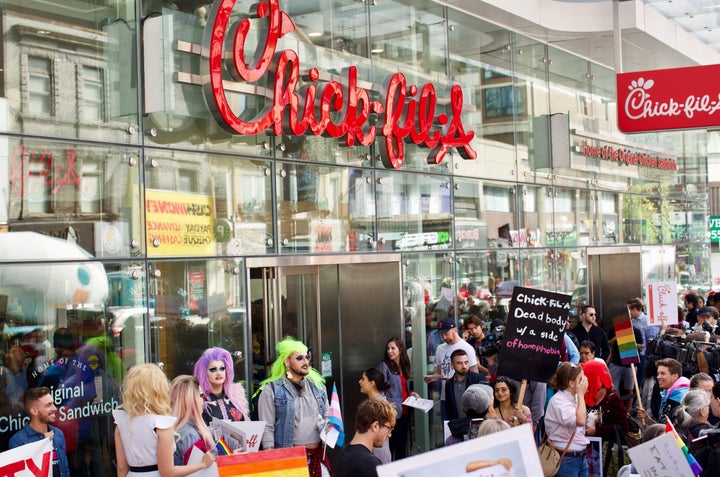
(284,302)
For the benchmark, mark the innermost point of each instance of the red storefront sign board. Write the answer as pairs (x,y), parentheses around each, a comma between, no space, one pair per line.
(675,98)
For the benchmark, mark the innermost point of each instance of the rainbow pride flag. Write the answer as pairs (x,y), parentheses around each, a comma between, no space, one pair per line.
(694,466)
(222,447)
(626,340)
(287,462)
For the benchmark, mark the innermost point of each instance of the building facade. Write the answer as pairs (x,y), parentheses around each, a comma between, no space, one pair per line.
(179,175)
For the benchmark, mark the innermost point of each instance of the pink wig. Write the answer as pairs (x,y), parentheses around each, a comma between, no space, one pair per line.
(231,390)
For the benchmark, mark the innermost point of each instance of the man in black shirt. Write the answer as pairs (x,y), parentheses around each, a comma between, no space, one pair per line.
(374,422)
(588,329)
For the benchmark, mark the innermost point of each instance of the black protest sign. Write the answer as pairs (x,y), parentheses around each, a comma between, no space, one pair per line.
(534,334)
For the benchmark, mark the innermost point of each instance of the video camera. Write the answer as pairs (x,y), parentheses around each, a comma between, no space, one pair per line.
(491,344)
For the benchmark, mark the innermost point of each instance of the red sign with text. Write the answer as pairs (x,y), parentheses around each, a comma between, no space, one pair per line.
(299,100)
(676,98)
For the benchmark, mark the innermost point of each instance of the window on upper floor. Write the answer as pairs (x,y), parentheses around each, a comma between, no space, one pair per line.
(39,86)
(92,94)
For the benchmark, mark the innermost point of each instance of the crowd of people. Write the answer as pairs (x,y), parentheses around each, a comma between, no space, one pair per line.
(592,393)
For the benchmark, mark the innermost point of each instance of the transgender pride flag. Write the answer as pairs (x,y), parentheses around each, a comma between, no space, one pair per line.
(335,416)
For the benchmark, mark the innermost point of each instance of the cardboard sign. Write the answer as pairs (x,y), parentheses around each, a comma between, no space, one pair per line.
(660,457)
(249,432)
(509,453)
(34,459)
(662,303)
(534,334)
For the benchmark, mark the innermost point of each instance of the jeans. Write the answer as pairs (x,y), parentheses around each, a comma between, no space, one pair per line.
(573,467)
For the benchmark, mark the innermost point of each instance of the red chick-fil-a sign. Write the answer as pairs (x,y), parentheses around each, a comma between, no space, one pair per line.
(343,110)
(676,98)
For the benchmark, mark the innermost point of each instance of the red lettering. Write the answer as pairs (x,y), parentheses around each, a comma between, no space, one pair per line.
(325,107)
(69,177)
(44,469)
(11,469)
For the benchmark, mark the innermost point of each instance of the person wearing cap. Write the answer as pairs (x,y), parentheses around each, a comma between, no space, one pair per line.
(443,364)
(704,320)
(476,404)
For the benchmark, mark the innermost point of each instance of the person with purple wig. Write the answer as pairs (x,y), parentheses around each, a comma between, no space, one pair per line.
(224,399)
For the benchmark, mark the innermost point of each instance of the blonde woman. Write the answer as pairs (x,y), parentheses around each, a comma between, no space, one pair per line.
(144,433)
(186,399)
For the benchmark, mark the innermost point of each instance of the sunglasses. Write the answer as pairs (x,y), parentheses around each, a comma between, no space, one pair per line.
(302,358)
(215,369)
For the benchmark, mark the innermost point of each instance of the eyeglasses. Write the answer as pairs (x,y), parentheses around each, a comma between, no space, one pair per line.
(389,428)
(215,369)
(302,358)
(592,314)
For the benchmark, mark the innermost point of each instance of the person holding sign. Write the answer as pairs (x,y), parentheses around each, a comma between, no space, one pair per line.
(506,406)
(42,411)
(566,418)
(186,399)
(396,368)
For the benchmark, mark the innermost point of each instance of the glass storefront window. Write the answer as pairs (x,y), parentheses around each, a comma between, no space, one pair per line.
(413,211)
(74,326)
(325,209)
(199,204)
(91,94)
(87,194)
(197,304)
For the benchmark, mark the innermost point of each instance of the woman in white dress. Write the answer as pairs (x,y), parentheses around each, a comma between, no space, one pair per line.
(144,433)
(373,384)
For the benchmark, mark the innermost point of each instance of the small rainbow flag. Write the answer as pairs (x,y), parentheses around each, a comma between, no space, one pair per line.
(694,466)
(222,447)
(626,340)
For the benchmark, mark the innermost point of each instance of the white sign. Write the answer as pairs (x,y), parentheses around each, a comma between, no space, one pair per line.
(248,432)
(28,460)
(660,457)
(662,303)
(509,453)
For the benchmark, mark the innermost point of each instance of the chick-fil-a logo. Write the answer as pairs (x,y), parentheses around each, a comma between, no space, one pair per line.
(404,113)
(678,98)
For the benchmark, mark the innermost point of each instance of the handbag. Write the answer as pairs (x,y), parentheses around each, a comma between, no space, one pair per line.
(634,434)
(550,457)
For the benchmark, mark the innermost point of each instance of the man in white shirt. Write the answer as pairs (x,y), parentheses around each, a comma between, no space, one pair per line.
(443,365)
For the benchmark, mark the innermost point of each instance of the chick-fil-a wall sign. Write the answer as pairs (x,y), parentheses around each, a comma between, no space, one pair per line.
(676,98)
(299,102)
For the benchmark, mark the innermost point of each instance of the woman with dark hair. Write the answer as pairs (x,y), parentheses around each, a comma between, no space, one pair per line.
(396,368)
(224,399)
(373,385)
(565,419)
(505,404)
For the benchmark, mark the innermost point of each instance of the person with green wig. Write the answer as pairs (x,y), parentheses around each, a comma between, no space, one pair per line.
(294,405)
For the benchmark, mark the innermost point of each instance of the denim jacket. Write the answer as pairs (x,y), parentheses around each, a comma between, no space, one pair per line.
(27,434)
(285,411)
(394,394)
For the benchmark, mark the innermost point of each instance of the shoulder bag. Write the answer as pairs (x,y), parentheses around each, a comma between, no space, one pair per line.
(550,457)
